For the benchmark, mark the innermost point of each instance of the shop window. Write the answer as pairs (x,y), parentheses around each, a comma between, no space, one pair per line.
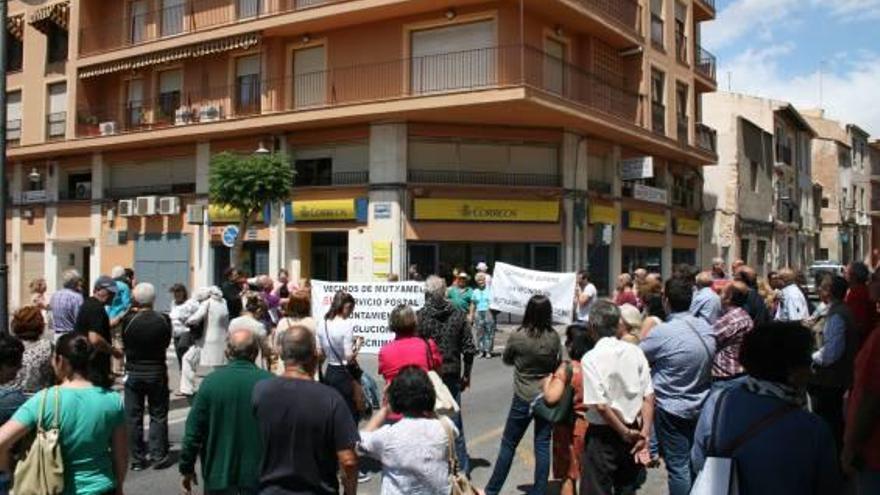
(313,172)
(14,53)
(651,259)
(684,257)
(56,44)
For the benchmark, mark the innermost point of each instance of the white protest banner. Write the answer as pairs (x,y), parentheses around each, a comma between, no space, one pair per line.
(512,287)
(373,304)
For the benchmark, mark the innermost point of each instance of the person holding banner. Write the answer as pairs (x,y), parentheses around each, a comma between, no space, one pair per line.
(534,351)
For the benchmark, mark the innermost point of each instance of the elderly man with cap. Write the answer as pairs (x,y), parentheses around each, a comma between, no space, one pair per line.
(93,322)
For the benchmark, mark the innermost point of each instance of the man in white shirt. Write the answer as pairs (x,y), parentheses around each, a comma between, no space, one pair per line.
(620,400)
(585,295)
(792,303)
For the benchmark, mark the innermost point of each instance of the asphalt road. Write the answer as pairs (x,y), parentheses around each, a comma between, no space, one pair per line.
(485,408)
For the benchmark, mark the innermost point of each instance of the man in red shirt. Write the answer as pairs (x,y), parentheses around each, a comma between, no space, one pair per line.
(858,300)
(861,446)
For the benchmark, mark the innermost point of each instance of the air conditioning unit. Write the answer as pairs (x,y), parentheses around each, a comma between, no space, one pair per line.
(125,208)
(183,116)
(169,205)
(107,128)
(145,206)
(195,214)
(83,190)
(209,113)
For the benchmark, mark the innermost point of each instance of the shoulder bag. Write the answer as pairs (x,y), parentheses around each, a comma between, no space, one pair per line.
(444,404)
(41,472)
(719,474)
(562,411)
(459,483)
(355,373)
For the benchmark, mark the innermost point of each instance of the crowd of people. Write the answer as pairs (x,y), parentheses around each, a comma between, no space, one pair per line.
(667,373)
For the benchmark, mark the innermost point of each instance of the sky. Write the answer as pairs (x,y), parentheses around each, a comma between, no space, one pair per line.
(782,49)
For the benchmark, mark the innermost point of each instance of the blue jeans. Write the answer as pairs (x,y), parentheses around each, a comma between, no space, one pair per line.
(464,461)
(485,326)
(518,420)
(676,437)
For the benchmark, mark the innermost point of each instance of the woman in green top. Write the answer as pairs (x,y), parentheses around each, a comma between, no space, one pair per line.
(534,351)
(93,440)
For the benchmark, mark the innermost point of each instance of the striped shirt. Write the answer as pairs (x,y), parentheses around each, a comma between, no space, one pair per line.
(65,306)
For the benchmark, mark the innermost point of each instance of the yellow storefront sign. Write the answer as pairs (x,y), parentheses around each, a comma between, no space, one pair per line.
(642,220)
(226,214)
(687,226)
(485,210)
(603,214)
(324,210)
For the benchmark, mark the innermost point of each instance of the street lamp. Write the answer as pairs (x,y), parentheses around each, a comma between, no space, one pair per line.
(34,177)
(261,149)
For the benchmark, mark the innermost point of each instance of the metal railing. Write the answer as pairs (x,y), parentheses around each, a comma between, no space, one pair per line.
(353,178)
(623,12)
(470,70)
(134,28)
(658,117)
(483,178)
(706,63)
(707,138)
(155,190)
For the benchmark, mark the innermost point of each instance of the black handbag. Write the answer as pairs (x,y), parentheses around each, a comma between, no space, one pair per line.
(562,411)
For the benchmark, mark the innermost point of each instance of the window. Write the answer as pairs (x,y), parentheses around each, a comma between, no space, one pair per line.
(681,112)
(170,84)
(172,16)
(554,66)
(683,191)
(681,46)
(248,8)
(314,172)
(14,53)
(861,200)
(823,253)
(658,108)
(825,202)
(753,175)
(79,185)
(134,104)
(56,44)
(56,118)
(761,255)
(13,116)
(138,24)
(453,58)
(247,83)
(310,76)
(657,23)
(744,250)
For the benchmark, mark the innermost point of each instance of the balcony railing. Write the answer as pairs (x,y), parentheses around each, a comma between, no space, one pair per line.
(658,117)
(682,128)
(483,178)
(623,12)
(707,138)
(706,63)
(190,16)
(155,190)
(471,70)
(357,177)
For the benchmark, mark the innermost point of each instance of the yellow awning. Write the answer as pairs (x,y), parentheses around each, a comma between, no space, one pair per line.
(239,42)
(56,13)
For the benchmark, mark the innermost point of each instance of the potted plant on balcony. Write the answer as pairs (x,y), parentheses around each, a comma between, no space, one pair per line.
(87,124)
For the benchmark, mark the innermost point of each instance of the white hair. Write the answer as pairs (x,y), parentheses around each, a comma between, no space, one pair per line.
(435,286)
(117,271)
(144,293)
(70,278)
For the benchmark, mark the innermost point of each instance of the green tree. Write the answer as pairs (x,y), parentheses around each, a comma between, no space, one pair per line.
(246,183)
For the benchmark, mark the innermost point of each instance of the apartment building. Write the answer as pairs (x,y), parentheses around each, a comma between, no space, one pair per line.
(422,134)
(841,165)
(760,196)
(874,153)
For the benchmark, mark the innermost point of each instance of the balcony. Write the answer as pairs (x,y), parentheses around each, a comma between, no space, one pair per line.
(466,71)
(353,178)
(704,10)
(625,13)
(658,118)
(707,138)
(706,64)
(138,28)
(483,178)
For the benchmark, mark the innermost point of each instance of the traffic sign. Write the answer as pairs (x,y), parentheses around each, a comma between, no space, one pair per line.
(230,233)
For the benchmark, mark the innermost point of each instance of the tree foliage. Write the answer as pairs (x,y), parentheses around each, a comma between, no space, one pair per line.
(246,183)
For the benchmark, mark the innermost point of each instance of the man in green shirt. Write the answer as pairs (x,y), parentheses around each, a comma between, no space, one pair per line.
(460,295)
(221,427)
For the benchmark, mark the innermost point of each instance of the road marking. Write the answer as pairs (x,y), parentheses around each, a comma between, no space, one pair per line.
(485,437)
